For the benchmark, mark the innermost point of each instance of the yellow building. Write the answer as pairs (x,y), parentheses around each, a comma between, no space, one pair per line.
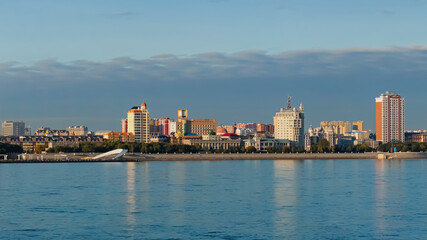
(358,125)
(338,127)
(196,126)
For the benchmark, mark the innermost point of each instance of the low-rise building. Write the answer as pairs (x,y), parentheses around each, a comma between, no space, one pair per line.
(215,142)
(77,130)
(120,137)
(263,144)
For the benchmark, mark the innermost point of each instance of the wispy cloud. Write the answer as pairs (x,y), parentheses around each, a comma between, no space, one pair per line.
(215,65)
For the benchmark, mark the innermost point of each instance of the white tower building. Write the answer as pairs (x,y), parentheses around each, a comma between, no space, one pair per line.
(289,124)
(139,123)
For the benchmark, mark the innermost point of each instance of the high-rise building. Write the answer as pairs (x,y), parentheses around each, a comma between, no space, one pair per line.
(139,123)
(11,128)
(289,124)
(390,117)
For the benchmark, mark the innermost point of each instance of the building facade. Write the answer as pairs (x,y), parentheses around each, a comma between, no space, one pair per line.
(390,117)
(289,124)
(358,126)
(11,128)
(338,127)
(77,130)
(139,123)
(124,125)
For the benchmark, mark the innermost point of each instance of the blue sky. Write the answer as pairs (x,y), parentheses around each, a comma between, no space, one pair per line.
(87,62)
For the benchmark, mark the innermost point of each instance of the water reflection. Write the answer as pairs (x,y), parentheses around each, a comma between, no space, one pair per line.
(285,196)
(131,209)
(380,195)
(177,195)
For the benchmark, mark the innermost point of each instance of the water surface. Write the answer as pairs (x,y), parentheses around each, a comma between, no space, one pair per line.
(301,199)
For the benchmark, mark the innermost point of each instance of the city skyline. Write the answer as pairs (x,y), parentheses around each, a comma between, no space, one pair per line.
(118,127)
(81,63)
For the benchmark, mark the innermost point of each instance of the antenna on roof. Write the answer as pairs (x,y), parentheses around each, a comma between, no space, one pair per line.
(289,103)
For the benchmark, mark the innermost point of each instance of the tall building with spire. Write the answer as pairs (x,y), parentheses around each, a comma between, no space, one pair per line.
(390,117)
(138,123)
(289,124)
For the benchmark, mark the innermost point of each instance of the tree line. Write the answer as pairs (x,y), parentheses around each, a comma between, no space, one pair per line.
(9,148)
(320,147)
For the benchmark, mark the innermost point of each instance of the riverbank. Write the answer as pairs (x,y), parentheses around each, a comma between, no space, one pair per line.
(137,157)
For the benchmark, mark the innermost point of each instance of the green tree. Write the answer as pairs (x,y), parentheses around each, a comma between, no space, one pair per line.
(40,148)
(286,149)
(250,149)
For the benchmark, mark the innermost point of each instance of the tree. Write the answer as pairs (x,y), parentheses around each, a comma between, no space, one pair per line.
(40,148)
(212,132)
(286,149)
(250,149)
(323,146)
(270,149)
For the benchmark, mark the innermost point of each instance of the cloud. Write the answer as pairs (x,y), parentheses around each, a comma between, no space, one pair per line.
(214,65)
(334,84)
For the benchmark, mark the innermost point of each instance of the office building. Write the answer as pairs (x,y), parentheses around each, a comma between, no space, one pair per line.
(390,117)
(11,128)
(289,124)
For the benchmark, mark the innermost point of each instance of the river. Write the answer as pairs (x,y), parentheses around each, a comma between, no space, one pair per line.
(280,199)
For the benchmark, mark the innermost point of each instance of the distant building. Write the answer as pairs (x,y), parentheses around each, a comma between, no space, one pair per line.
(28,131)
(164,126)
(11,128)
(119,137)
(358,126)
(244,131)
(139,123)
(390,117)
(215,142)
(265,128)
(416,137)
(252,126)
(289,124)
(172,127)
(77,130)
(45,131)
(124,125)
(263,144)
(194,126)
(338,127)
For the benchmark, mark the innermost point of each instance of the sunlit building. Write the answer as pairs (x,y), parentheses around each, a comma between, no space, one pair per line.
(289,124)
(139,123)
(11,128)
(390,117)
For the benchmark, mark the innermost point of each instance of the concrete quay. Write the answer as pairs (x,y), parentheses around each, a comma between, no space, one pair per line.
(138,157)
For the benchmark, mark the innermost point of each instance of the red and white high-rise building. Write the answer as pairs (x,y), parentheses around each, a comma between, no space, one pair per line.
(390,117)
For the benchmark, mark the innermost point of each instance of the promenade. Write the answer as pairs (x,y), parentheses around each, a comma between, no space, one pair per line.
(138,157)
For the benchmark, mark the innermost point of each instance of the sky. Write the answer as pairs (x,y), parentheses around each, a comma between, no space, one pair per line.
(87,62)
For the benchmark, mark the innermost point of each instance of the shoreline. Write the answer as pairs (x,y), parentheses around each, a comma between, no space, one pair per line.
(137,157)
